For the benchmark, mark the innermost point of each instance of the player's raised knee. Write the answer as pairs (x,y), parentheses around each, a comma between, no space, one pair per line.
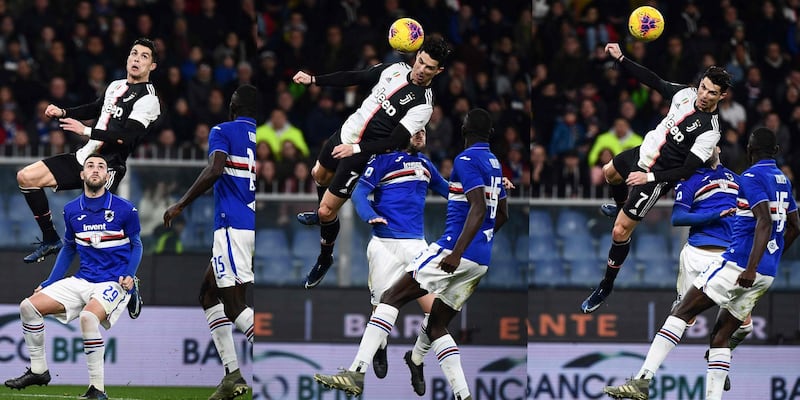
(326,213)
(621,231)
(611,174)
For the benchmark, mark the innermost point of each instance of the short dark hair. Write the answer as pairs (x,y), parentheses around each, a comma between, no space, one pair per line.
(477,124)
(437,48)
(763,142)
(244,101)
(718,76)
(96,155)
(149,44)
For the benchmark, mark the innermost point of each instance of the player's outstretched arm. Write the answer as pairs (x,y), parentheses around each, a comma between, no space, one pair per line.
(368,76)
(204,181)
(84,111)
(761,236)
(692,163)
(643,74)
(362,204)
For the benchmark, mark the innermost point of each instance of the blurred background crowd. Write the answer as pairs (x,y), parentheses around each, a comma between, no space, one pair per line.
(66,52)
(586,110)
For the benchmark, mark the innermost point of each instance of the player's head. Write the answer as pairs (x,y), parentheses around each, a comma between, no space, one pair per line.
(142,59)
(430,60)
(94,173)
(477,126)
(243,102)
(417,142)
(763,143)
(712,88)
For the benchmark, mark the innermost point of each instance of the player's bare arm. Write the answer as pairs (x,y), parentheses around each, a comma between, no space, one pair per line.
(762,233)
(204,181)
(477,211)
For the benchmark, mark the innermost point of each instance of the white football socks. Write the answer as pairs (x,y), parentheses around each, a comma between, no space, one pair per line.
(222,334)
(377,330)
(33,332)
(450,360)
(244,322)
(94,347)
(423,344)
(666,339)
(719,363)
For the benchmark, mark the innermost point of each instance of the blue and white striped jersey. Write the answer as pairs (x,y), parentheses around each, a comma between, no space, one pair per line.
(476,168)
(709,191)
(398,183)
(761,182)
(235,190)
(100,229)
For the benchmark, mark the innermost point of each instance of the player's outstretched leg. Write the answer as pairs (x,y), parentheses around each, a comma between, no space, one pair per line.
(380,362)
(328,233)
(94,393)
(417,377)
(43,249)
(135,303)
(350,382)
(637,389)
(28,379)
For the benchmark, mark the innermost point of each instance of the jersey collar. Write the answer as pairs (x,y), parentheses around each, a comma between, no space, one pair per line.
(249,120)
(767,161)
(480,146)
(106,199)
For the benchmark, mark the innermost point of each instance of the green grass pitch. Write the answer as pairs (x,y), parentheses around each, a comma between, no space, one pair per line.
(114,393)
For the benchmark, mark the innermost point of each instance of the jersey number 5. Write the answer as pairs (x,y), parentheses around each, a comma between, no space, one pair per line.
(781,210)
(251,168)
(494,196)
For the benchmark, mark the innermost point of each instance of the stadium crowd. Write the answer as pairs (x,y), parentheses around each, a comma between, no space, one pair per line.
(586,110)
(66,52)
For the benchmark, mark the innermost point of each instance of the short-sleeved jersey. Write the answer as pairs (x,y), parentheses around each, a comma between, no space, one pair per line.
(100,230)
(122,101)
(762,182)
(709,191)
(685,129)
(476,168)
(235,190)
(393,100)
(399,183)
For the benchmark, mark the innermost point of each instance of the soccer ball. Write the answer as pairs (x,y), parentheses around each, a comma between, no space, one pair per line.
(406,35)
(646,23)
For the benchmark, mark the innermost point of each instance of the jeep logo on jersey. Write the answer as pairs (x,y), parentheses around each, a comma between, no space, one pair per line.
(113,109)
(385,104)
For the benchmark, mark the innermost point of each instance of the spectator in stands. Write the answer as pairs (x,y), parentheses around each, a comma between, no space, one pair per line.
(267,178)
(541,172)
(165,146)
(39,126)
(300,181)
(9,124)
(199,88)
(439,133)
(27,88)
(620,137)
(279,130)
(217,111)
(168,240)
(568,133)
(571,176)
(321,121)
(19,145)
(733,113)
(197,149)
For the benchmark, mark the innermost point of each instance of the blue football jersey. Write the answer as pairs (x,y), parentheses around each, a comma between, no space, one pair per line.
(476,168)
(399,183)
(100,230)
(759,183)
(235,190)
(709,191)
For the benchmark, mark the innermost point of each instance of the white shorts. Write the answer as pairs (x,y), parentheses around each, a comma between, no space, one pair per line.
(693,261)
(388,259)
(453,289)
(718,282)
(74,293)
(232,256)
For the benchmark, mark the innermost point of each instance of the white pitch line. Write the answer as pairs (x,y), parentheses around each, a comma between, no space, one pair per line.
(55,396)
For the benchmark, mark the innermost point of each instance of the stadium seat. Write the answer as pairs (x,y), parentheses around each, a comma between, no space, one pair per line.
(501,249)
(272,243)
(659,274)
(304,239)
(548,273)
(202,210)
(571,223)
(543,249)
(540,223)
(275,270)
(651,247)
(504,275)
(578,247)
(586,273)
(794,273)
(603,244)
(628,277)
(522,246)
